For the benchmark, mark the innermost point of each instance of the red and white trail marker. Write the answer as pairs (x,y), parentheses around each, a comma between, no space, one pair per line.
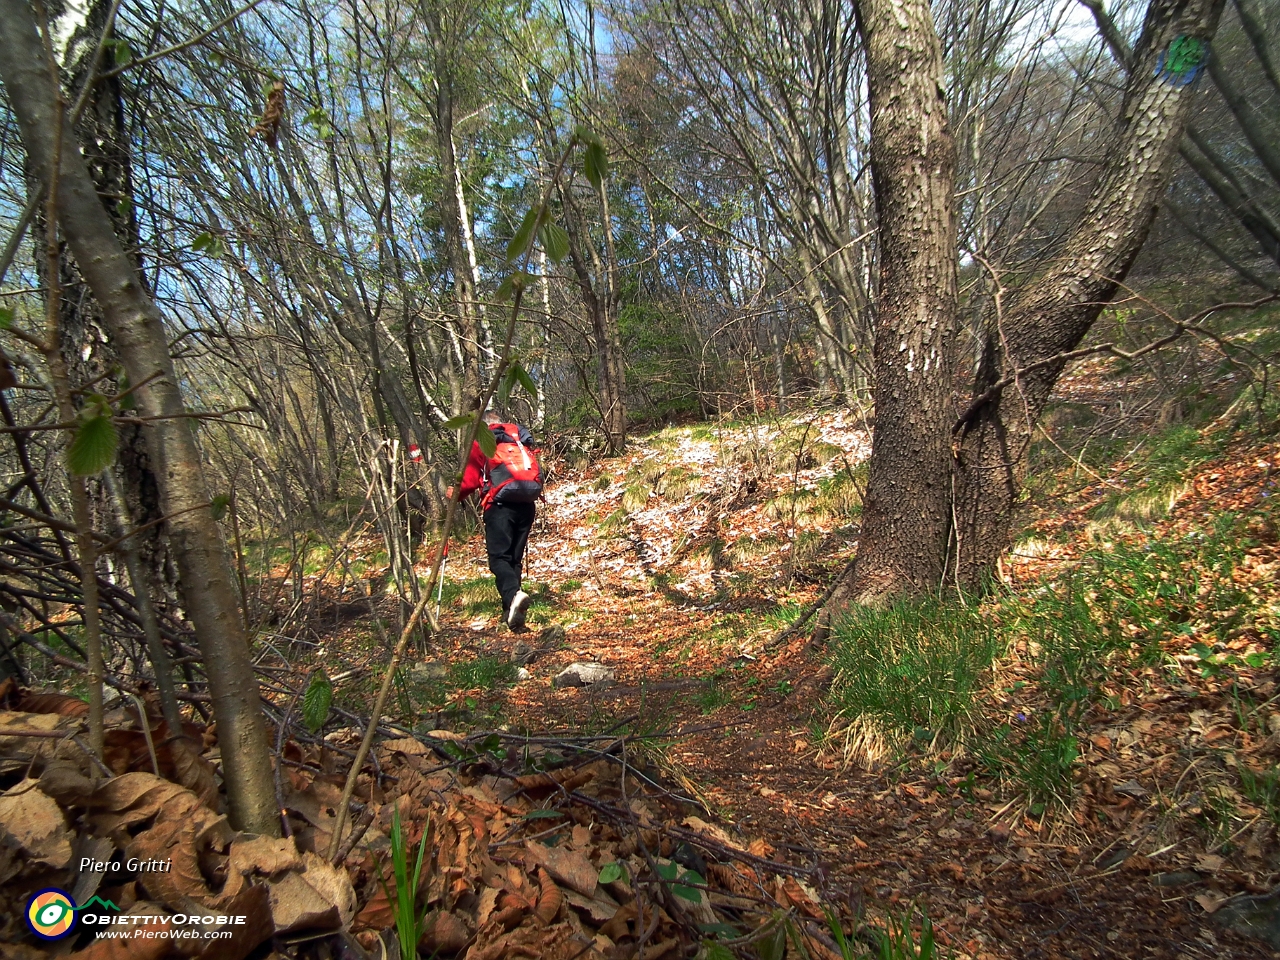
(415,452)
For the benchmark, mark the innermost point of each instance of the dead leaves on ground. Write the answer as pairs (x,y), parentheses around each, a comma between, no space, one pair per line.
(517,847)
(515,865)
(192,862)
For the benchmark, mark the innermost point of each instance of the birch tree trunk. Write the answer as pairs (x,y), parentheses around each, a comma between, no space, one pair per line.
(137,332)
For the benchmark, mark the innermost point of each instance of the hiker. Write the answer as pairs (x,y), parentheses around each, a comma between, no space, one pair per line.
(509,484)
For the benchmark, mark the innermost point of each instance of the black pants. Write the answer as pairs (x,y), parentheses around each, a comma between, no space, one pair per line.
(506,533)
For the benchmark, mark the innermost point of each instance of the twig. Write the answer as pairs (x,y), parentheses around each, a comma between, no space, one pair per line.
(1191,325)
(145,724)
(46,734)
(177,47)
(358,830)
(97,760)
(281,729)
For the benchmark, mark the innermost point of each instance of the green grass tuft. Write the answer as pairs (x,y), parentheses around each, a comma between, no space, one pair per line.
(483,672)
(635,496)
(473,597)
(678,482)
(918,667)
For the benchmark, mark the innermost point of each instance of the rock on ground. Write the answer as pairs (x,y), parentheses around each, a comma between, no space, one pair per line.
(583,674)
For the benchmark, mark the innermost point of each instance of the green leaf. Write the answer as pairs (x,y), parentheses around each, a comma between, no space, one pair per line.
(93,447)
(127,400)
(526,381)
(121,52)
(458,422)
(524,233)
(595,165)
(505,289)
(488,445)
(124,208)
(6,317)
(687,893)
(316,701)
(611,872)
(586,135)
(716,951)
(208,244)
(554,241)
(543,815)
(317,118)
(516,280)
(668,871)
(504,388)
(693,876)
(219,506)
(926,939)
(774,945)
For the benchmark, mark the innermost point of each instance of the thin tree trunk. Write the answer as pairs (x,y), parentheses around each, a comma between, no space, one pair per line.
(160,661)
(1218,176)
(601,307)
(137,331)
(607,333)
(1252,19)
(88,355)
(451,214)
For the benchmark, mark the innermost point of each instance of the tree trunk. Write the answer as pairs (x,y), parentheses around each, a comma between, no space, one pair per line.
(907,537)
(138,335)
(85,347)
(602,307)
(1052,315)
(452,214)
(906,516)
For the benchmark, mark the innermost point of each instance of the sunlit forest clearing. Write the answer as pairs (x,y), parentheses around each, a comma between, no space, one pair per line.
(708,480)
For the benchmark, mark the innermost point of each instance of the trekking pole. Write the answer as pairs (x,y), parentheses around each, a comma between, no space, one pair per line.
(444,560)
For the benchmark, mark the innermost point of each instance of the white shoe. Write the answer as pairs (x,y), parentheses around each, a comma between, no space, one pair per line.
(519,606)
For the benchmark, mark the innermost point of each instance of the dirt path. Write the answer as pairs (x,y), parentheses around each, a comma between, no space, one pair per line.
(654,598)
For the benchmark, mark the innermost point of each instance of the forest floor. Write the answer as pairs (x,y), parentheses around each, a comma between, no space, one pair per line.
(1084,763)
(676,564)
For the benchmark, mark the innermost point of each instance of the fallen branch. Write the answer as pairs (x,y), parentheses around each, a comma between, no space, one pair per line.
(798,624)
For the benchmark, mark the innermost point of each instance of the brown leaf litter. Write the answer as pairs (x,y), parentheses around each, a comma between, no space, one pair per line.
(517,836)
